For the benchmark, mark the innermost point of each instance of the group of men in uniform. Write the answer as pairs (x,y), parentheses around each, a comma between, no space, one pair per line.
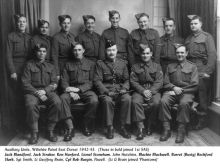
(117,71)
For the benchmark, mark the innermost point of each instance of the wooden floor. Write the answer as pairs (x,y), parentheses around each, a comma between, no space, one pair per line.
(203,137)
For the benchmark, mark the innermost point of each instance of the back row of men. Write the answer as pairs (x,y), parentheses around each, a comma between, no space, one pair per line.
(111,77)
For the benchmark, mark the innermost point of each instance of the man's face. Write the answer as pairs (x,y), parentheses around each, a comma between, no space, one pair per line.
(195,25)
(115,19)
(66,25)
(44,29)
(78,51)
(143,23)
(22,23)
(90,25)
(181,53)
(146,55)
(169,27)
(41,54)
(112,52)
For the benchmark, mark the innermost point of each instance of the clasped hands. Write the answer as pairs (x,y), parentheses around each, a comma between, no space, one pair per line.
(147,95)
(41,94)
(73,92)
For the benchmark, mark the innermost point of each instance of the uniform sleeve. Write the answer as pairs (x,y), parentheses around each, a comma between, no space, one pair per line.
(212,55)
(167,85)
(9,51)
(55,54)
(126,84)
(194,82)
(135,82)
(65,80)
(102,47)
(157,48)
(26,81)
(98,79)
(53,84)
(158,83)
(131,56)
(88,85)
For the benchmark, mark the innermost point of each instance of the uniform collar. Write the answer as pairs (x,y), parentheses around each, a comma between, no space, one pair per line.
(113,28)
(197,33)
(181,64)
(148,64)
(168,37)
(80,61)
(65,34)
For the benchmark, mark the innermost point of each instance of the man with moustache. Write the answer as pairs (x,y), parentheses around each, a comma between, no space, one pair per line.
(202,52)
(168,42)
(89,38)
(118,35)
(180,84)
(146,79)
(77,84)
(39,83)
(43,37)
(111,80)
(61,44)
(144,35)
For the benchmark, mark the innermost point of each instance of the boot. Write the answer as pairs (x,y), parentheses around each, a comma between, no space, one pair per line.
(124,132)
(181,133)
(86,131)
(69,134)
(201,123)
(110,132)
(140,134)
(166,131)
(34,138)
(51,136)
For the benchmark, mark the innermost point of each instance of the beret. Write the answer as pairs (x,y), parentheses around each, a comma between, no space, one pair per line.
(109,43)
(61,18)
(139,15)
(142,46)
(86,17)
(38,46)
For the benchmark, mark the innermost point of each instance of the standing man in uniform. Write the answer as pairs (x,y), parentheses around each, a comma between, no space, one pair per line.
(111,80)
(77,84)
(118,35)
(146,79)
(202,52)
(40,82)
(168,42)
(89,38)
(17,53)
(43,37)
(61,44)
(180,84)
(144,35)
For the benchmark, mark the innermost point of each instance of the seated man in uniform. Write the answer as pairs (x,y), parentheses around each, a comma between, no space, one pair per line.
(77,83)
(40,82)
(181,83)
(146,79)
(112,83)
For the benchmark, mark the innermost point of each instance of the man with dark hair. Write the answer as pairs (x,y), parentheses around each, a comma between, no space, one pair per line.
(202,52)
(77,84)
(146,79)
(144,35)
(180,84)
(168,41)
(61,43)
(89,38)
(111,80)
(39,83)
(118,35)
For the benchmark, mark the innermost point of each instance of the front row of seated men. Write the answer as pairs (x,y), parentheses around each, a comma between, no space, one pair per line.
(110,78)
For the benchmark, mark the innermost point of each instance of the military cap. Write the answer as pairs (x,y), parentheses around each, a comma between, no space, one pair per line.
(109,43)
(41,22)
(142,47)
(18,16)
(164,19)
(139,15)
(38,46)
(193,17)
(61,18)
(87,17)
(112,13)
(178,45)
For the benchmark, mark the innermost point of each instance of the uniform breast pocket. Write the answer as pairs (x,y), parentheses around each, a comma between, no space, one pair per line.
(63,47)
(48,74)
(153,75)
(200,47)
(88,44)
(72,73)
(17,46)
(141,76)
(85,73)
(186,75)
(107,76)
(35,75)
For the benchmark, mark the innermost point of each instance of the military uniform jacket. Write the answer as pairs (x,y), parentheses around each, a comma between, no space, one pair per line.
(45,40)
(168,49)
(202,46)
(120,36)
(146,76)
(111,76)
(78,73)
(17,50)
(61,47)
(149,37)
(183,75)
(91,44)
(39,75)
